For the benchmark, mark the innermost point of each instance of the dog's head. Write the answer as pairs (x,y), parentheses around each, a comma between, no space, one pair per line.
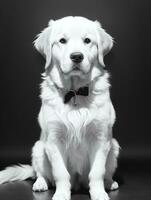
(74,45)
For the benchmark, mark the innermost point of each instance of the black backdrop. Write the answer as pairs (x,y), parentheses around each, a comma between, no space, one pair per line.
(129,64)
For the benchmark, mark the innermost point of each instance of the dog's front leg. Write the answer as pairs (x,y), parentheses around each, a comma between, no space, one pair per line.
(98,156)
(60,173)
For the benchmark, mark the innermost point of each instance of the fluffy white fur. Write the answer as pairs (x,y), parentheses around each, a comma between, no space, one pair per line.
(76,140)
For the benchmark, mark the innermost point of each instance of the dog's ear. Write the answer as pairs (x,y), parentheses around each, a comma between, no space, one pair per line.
(105,43)
(43,43)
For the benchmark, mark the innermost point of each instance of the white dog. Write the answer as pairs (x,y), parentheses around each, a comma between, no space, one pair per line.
(76,117)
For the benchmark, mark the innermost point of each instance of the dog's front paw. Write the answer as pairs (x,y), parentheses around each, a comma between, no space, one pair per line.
(40,185)
(111,185)
(101,195)
(114,186)
(61,195)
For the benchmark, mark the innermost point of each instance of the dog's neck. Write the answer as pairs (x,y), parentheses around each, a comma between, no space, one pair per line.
(67,82)
(95,81)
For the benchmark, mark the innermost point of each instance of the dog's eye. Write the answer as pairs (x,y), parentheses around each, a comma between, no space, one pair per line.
(87,40)
(63,41)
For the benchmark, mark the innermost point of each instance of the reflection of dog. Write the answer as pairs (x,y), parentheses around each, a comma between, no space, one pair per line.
(76,116)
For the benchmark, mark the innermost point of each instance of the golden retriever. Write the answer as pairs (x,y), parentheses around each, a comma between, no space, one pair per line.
(76,146)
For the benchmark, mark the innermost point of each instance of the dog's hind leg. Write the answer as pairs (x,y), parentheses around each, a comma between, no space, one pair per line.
(41,166)
(111,165)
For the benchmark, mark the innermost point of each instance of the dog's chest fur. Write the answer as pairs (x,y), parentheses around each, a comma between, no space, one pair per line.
(81,131)
(74,127)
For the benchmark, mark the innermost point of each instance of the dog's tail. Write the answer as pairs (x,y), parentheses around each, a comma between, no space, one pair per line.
(16,173)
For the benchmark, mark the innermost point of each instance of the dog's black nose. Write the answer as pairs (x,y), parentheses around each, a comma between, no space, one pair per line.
(77,57)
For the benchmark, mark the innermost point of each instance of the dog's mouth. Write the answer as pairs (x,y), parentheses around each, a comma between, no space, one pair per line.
(76,68)
(76,71)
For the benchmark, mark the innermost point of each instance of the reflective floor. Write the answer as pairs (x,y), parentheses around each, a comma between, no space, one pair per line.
(135,184)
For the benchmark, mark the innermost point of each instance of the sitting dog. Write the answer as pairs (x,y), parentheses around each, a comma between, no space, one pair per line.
(76,146)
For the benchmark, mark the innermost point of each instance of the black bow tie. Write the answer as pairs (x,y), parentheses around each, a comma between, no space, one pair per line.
(84,91)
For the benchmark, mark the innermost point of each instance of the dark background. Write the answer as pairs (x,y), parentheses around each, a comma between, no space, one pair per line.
(129,64)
